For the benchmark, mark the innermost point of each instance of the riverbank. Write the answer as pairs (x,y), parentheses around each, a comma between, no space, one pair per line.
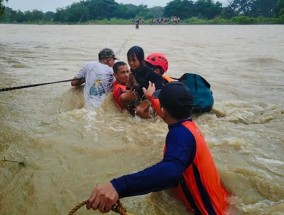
(238,20)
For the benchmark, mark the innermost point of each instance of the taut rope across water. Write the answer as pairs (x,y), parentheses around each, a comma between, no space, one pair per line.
(34,85)
(54,82)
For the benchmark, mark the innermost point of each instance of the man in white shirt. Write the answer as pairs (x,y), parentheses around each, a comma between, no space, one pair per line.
(98,78)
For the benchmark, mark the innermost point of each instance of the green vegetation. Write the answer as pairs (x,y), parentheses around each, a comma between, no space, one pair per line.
(2,8)
(189,12)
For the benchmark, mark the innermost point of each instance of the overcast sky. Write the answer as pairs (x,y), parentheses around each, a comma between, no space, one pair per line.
(51,5)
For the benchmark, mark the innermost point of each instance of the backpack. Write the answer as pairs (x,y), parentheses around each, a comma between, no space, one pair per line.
(200,89)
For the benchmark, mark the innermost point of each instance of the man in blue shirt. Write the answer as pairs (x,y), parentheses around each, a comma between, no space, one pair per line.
(187,163)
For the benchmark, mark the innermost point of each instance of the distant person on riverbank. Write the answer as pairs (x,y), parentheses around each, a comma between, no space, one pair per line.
(175,20)
(187,164)
(98,78)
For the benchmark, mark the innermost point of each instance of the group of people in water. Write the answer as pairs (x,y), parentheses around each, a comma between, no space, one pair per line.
(162,20)
(173,20)
(144,90)
(128,87)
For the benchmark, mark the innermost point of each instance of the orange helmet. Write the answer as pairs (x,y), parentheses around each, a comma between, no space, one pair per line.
(158,59)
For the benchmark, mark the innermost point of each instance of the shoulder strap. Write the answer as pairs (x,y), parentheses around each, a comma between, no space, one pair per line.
(168,78)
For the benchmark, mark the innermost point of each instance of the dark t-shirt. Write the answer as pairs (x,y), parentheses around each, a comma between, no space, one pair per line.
(143,75)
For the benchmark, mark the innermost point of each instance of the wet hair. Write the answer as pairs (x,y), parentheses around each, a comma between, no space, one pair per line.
(136,51)
(116,65)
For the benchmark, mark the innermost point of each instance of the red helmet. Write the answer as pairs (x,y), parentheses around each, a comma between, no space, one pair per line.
(158,59)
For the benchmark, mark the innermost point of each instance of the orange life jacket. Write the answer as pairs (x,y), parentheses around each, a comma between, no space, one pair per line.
(168,78)
(200,188)
(154,101)
(117,91)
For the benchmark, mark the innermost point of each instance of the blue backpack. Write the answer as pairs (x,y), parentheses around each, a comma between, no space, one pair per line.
(200,89)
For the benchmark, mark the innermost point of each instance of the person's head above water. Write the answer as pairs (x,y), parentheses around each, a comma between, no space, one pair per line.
(177,99)
(158,62)
(121,72)
(135,57)
(106,53)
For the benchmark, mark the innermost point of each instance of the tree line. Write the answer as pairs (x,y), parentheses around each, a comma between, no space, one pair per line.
(90,10)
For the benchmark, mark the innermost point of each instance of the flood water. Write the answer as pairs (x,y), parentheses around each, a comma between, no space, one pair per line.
(67,149)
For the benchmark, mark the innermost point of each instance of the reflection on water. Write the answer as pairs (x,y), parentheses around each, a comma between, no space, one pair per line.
(68,149)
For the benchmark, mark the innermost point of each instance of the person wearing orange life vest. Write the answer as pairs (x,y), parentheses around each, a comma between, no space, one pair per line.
(121,74)
(187,164)
(139,77)
(159,63)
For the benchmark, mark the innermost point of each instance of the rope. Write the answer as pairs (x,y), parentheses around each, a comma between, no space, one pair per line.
(119,50)
(121,46)
(34,85)
(118,208)
(77,207)
(54,82)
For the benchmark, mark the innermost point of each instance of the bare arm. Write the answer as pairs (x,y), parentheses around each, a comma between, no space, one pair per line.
(77,81)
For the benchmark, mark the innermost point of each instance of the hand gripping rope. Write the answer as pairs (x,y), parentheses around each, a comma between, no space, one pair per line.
(118,208)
